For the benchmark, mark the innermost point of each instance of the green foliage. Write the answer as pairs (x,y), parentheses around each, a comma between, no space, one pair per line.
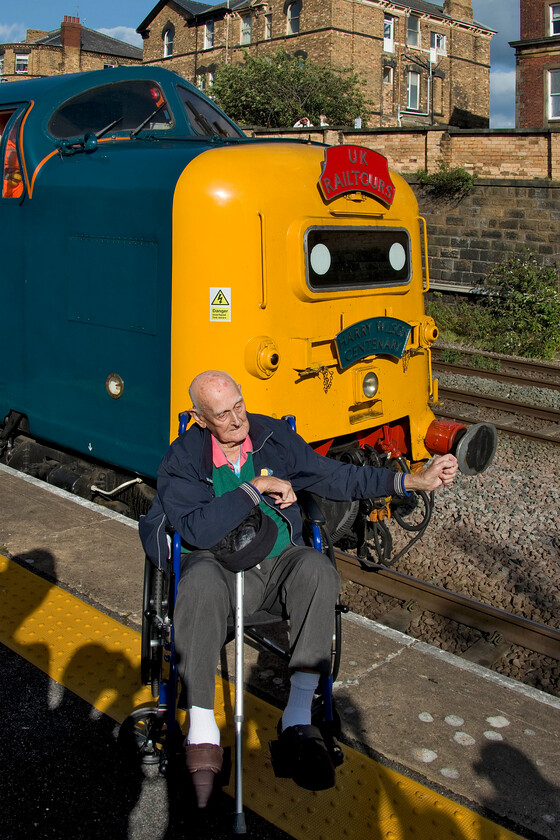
(446,182)
(520,316)
(524,302)
(461,321)
(277,90)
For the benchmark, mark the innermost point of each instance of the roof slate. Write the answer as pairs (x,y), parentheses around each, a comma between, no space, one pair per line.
(97,42)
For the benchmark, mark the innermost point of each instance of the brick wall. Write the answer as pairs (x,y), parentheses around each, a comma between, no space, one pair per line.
(489,153)
(534,18)
(497,219)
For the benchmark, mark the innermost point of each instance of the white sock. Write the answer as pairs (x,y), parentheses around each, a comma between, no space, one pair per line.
(298,710)
(203,728)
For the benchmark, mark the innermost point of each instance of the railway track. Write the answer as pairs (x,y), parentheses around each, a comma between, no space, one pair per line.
(519,372)
(500,629)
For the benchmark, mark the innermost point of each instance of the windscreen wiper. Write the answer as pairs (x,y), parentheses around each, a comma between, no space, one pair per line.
(107,128)
(139,128)
(201,120)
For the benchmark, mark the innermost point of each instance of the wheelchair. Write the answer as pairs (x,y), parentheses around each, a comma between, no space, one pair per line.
(153,729)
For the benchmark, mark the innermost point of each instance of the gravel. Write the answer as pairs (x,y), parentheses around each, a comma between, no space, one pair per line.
(496,538)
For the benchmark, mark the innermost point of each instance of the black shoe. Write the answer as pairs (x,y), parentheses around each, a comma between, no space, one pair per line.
(300,754)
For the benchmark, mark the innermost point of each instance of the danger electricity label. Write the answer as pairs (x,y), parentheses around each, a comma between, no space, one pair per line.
(220,303)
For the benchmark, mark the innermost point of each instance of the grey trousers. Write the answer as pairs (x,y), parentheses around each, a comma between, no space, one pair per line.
(300,584)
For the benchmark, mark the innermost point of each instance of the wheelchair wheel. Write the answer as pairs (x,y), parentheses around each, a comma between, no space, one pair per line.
(145,737)
(152,627)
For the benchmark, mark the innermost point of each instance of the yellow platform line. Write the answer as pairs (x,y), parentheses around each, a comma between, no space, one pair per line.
(98,659)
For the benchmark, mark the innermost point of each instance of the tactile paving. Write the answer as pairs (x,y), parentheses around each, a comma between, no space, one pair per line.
(98,659)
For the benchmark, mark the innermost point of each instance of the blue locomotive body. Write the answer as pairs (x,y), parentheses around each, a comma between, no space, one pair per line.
(87,253)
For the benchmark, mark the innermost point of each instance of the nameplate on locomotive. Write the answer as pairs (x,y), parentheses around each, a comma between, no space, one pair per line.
(351,169)
(382,336)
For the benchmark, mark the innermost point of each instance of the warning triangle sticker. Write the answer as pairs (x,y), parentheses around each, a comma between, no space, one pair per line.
(220,300)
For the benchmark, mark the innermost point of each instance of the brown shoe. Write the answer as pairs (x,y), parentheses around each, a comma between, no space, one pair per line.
(204,763)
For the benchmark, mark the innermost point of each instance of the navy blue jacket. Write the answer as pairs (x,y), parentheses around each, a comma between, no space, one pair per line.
(186,501)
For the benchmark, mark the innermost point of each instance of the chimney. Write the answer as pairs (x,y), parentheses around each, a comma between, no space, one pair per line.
(458,9)
(71,32)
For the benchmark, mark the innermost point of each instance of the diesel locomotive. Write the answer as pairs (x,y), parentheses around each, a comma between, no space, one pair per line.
(146,238)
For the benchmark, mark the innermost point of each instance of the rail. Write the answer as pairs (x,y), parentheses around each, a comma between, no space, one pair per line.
(489,620)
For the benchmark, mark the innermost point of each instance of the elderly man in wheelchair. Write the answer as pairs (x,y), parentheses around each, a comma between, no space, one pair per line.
(228,487)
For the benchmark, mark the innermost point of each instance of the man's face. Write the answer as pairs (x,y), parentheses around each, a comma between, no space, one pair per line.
(223,414)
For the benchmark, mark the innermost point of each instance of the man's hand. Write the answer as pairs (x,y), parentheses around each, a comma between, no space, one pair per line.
(281,491)
(442,471)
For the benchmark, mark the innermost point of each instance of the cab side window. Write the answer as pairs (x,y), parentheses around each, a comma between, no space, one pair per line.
(12,175)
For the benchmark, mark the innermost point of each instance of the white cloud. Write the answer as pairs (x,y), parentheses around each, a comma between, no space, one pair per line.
(12,32)
(502,83)
(124,33)
(502,99)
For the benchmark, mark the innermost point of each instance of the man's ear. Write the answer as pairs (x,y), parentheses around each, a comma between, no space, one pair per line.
(198,419)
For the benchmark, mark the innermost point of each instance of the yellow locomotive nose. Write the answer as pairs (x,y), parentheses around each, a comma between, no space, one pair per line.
(310,298)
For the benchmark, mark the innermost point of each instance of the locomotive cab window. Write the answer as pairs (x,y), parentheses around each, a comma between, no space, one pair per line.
(206,120)
(133,106)
(357,258)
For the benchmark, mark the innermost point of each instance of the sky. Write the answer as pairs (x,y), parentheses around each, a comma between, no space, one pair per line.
(119,18)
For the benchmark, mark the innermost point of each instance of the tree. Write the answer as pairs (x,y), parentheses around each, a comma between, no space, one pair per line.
(278,89)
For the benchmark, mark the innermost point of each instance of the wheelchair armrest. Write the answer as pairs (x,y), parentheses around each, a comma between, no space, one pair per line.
(311,508)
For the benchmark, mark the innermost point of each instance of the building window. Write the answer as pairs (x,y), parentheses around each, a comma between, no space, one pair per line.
(2,64)
(168,36)
(22,62)
(554,98)
(108,66)
(413,91)
(555,19)
(209,35)
(413,31)
(268,27)
(388,33)
(437,43)
(246,29)
(294,12)
(387,75)
(201,81)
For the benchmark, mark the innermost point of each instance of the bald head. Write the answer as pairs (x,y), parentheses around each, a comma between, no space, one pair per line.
(207,386)
(218,405)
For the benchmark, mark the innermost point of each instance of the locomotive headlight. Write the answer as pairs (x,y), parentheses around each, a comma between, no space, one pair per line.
(370,385)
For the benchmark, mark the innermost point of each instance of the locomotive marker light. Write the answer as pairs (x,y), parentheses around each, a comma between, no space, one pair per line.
(114,385)
(350,169)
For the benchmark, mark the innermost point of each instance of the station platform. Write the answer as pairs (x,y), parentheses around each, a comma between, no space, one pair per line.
(435,747)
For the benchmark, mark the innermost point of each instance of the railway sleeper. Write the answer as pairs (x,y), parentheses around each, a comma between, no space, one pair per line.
(488,650)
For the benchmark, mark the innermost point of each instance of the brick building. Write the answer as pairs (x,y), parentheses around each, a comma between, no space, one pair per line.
(423,63)
(537,53)
(72,48)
